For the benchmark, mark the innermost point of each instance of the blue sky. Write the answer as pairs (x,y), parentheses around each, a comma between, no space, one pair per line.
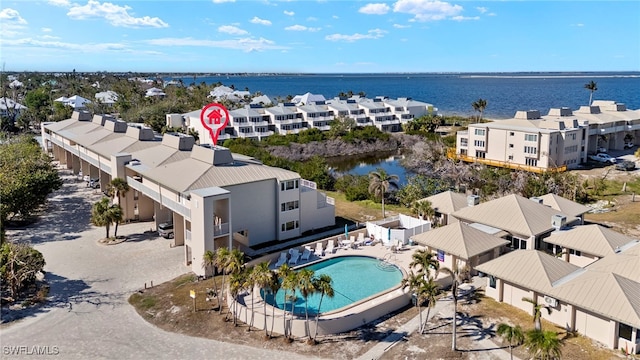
(322,36)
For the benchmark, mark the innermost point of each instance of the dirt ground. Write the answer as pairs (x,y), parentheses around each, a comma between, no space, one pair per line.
(169,307)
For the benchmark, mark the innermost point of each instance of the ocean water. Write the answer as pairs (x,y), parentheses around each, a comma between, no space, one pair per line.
(452,94)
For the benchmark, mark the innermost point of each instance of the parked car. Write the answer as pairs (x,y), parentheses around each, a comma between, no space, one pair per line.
(626,165)
(166,230)
(603,158)
(602,149)
(629,145)
(93,183)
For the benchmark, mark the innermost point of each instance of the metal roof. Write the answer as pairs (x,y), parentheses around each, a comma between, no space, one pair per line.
(513,213)
(447,202)
(592,239)
(564,205)
(460,240)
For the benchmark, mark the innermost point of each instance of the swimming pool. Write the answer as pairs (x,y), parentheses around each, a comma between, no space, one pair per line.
(354,278)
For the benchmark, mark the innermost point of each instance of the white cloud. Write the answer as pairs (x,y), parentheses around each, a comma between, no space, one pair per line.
(46,29)
(246,44)
(257,20)
(233,30)
(301,28)
(12,16)
(311,18)
(90,47)
(289,13)
(482,9)
(222,1)
(335,17)
(578,25)
(375,9)
(114,14)
(400,26)
(427,10)
(62,3)
(49,37)
(371,34)
(465,18)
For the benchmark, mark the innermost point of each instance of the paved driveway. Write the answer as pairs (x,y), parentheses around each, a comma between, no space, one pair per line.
(88,316)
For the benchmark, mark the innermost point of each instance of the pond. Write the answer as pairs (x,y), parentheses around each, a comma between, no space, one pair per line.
(364,164)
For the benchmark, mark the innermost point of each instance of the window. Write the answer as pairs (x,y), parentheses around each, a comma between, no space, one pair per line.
(511,133)
(464,141)
(479,143)
(291,205)
(480,132)
(575,252)
(492,282)
(288,185)
(530,150)
(624,331)
(531,162)
(290,225)
(481,154)
(511,146)
(530,137)
(510,157)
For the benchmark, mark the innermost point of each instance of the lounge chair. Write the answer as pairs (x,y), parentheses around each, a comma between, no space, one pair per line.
(319,250)
(294,258)
(360,241)
(306,254)
(282,259)
(330,248)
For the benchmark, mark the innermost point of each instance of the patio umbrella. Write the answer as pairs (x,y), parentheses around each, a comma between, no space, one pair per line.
(346,232)
(389,234)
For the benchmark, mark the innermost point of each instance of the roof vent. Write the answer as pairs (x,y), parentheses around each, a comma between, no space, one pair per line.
(473,200)
(536,199)
(558,221)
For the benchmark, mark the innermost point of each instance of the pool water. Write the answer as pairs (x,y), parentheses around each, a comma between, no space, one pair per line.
(353,278)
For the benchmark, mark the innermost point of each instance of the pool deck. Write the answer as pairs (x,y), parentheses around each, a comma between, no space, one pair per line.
(344,319)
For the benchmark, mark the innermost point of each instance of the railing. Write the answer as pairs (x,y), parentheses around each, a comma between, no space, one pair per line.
(187,236)
(147,191)
(221,229)
(176,206)
(505,164)
(331,201)
(309,184)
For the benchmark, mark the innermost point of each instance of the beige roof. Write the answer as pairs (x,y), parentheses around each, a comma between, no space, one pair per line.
(159,155)
(117,144)
(608,294)
(460,240)
(531,269)
(57,126)
(447,202)
(196,174)
(564,205)
(625,263)
(592,239)
(513,213)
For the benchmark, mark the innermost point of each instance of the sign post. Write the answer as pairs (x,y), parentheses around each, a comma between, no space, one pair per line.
(192,294)
(214,117)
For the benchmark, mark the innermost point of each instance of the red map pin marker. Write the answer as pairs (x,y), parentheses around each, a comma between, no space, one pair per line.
(214,117)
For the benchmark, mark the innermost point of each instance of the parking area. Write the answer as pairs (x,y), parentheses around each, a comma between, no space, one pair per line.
(88,315)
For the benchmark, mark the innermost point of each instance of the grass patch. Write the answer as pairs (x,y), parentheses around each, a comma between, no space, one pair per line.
(364,210)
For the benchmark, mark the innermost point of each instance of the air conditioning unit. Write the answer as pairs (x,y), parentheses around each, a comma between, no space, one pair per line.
(550,301)
(558,221)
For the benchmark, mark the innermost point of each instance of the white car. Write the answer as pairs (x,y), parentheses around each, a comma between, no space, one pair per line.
(629,145)
(603,158)
(602,149)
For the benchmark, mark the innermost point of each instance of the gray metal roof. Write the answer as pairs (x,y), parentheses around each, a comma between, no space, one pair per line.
(564,205)
(592,239)
(447,202)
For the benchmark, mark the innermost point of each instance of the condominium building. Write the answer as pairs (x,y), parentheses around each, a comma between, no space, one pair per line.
(212,197)
(309,112)
(560,140)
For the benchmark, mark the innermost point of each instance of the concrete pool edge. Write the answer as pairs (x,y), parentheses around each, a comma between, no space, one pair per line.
(336,321)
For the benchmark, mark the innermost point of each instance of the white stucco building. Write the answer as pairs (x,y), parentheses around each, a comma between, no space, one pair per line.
(213,197)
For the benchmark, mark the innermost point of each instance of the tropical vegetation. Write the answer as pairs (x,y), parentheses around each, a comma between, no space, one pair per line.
(511,334)
(19,265)
(380,183)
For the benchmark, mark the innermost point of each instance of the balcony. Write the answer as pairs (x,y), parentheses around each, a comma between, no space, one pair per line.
(221,229)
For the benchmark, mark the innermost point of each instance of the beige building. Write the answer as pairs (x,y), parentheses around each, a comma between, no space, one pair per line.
(560,140)
(213,197)
(599,301)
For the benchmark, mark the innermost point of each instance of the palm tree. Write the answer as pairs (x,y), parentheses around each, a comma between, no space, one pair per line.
(274,286)
(324,287)
(100,214)
(306,288)
(423,261)
(222,256)
(414,283)
(285,276)
(209,262)
(479,106)
(537,312)
(118,187)
(262,277)
(592,87)
(115,214)
(544,345)
(423,209)
(237,283)
(458,274)
(512,334)
(380,182)
(290,283)
(429,290)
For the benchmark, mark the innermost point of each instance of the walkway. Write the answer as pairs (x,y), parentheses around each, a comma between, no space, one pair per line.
(443,306)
